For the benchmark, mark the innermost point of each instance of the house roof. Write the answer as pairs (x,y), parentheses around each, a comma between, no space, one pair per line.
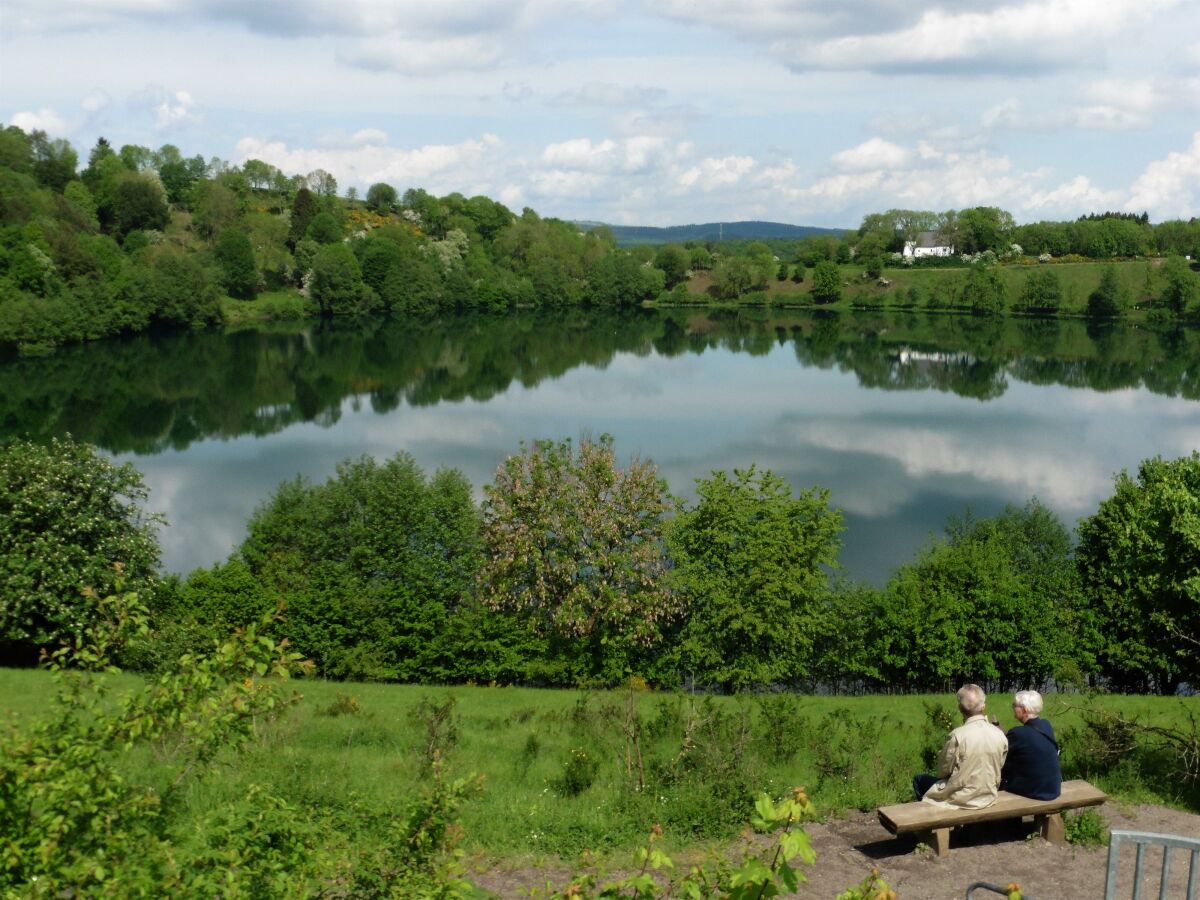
(931,239)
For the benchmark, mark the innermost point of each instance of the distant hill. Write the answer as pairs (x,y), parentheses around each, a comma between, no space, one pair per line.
(628,235)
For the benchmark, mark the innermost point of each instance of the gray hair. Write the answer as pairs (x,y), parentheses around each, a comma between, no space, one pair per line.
(971,700)
(1030,701)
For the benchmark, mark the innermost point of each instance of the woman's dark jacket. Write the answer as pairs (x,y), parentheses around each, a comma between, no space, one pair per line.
(1031,768)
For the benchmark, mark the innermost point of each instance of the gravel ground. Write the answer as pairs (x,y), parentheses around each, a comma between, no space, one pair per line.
(847,849)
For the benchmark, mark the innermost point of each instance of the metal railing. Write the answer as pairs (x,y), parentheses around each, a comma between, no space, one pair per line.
(1141,840)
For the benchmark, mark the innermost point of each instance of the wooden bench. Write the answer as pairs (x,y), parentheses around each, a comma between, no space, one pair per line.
(932,823)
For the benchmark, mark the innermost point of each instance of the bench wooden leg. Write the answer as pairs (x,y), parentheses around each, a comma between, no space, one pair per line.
(1051,827)
(938,840)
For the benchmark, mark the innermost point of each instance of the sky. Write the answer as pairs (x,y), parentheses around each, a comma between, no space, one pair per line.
(649,112)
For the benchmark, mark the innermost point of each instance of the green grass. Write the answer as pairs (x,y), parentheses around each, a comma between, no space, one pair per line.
(850,752)
(1141,278)
(285,305)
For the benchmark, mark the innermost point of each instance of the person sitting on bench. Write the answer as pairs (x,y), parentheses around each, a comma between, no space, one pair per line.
(1032,768)
(970,761)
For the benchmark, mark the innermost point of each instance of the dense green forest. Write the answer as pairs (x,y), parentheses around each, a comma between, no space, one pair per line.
(135,238)
(575,570)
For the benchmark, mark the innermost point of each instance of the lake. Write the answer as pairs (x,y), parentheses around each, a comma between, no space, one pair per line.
(906,418)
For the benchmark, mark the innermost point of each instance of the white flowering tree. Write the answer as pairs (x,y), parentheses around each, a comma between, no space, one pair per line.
(574,542)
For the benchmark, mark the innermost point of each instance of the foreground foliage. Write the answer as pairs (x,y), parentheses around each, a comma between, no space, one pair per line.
(73,822)
(70,818)
(756,876)
(66,516)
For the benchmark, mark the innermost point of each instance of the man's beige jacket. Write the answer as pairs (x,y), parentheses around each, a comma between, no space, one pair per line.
(969,766)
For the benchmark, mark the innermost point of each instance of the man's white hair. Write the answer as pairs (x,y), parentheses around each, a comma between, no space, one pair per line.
(971,700)
(1030,701)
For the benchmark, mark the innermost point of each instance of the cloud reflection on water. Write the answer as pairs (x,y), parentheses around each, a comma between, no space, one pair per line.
(896,461)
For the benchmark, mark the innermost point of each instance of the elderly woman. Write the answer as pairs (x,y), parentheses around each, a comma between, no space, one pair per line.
(1031,768)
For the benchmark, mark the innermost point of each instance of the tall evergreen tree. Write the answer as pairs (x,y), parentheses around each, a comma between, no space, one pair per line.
(304,210)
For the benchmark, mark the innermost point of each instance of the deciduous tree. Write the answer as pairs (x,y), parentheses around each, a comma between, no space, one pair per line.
(337,284)
(373,562)
(1139,557)
(239,273)
(575,545)
(827,282)
(673,260)
(751,561)
(1179,288)
(984,290)
(381,197)
(1109,299)
(68,516)
(139,201)
(1042,291)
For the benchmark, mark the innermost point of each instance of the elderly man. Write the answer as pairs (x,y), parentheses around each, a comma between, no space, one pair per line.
(1032,768)
(970,762)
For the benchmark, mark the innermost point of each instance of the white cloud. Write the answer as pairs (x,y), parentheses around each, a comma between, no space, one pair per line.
(1078,194)
(407,36)
(45,119)
(448,166)
(1107,105)
(413,55)
(608,94)
(882,36)
(711,173)
(293,17)
(175,109)
(96,101)
(631,155)
(563,184)
(875,153)
(932,178)
(1034,470)
(1169,187)
(841,189)
(671,122)
(767,19)
(512,196)
(581,153)
(650,180)
(369,136)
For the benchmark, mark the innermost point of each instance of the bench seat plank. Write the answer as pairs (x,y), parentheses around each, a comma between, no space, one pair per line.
(906,818)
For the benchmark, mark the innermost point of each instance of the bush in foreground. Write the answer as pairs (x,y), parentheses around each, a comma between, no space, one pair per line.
(67,515)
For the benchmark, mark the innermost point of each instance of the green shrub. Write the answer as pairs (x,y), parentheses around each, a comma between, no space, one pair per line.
(66,516)
(780,725)
(1086,828)
(579,771)
(437,727)
(342,705)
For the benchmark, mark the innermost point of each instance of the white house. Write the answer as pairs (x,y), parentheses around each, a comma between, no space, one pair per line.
(928,243)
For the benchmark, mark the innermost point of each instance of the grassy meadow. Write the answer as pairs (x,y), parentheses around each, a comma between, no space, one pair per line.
(1141,279)
(561,775)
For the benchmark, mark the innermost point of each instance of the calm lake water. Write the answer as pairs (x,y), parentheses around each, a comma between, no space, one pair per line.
(907,419)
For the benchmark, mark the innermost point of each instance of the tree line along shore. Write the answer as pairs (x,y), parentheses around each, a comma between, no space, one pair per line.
(577,570)
(136,238)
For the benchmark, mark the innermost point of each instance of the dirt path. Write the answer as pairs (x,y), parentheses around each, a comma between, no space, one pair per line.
(848,848)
